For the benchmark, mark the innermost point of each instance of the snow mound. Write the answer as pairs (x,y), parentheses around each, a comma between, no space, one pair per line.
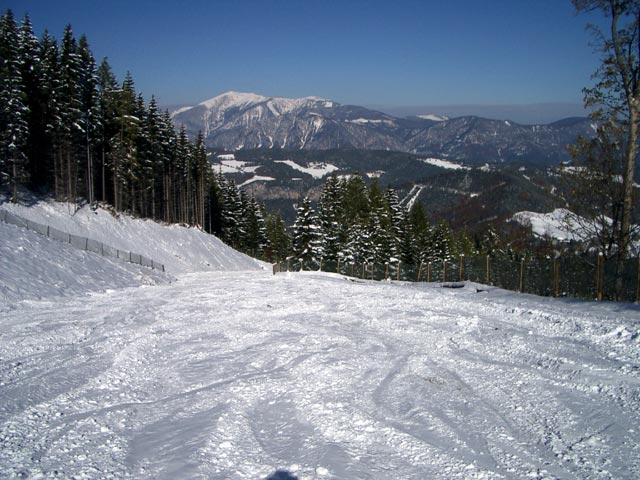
(181,249)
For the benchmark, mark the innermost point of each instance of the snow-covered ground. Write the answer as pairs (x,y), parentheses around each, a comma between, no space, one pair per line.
(179,248)
(238,374)
(560,224)
(316,170)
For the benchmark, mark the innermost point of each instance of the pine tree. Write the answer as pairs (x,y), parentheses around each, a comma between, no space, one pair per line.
(68,131)
(32,76)
(108,92)
(306,237)
(279,241)
(329,217)
(14,127)
(90,114)
(46,174)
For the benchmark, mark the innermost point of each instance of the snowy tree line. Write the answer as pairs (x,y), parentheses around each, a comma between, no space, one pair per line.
(356,223)
(68,128)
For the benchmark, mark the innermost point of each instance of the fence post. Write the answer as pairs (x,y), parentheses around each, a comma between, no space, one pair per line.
(488,270)
(600,275)
(320,263)
(364,268)
(399,263)
(429,272)
(387,274)
(338,266)
(555,276)
(444,271)
(275,269)
(522,275)
(462,267)
(353,269)
(372,269)
(638,288)
(420,271)
(288,264)
(300,264)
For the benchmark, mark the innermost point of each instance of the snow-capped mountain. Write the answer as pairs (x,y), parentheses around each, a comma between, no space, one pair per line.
(245,120)
(234,121)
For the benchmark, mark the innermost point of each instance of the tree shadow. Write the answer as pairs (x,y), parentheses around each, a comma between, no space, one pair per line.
(281,475)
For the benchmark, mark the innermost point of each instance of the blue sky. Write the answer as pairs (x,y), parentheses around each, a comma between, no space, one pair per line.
(403,52)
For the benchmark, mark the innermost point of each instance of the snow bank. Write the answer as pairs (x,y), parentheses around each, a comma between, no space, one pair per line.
(34,267)
(179,248)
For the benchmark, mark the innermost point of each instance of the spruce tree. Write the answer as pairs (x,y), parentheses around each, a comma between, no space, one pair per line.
(14,128)
(306,238)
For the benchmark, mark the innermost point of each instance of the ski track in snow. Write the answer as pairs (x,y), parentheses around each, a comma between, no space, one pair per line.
(233,375)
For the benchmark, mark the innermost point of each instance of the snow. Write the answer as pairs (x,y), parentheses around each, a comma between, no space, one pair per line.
(439,162)
(365,121)
(179,248)
(257,178)
(316,170)
(560,224)
(376,174)
(226,156)
(237,373)
(180,110)
(435,118)
(413,195)
(234,166)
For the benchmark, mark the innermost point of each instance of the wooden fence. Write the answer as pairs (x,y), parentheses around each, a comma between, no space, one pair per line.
(79,242)
(586,276)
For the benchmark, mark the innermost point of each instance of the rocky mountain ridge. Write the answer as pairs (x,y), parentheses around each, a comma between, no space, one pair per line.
(235,121)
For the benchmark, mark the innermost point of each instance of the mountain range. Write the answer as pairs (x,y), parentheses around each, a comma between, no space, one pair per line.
(235,121)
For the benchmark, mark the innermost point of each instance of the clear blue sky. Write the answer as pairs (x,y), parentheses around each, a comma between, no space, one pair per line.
(402,52)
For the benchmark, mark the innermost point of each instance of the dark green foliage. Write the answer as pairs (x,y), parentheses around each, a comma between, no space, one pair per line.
(67,128)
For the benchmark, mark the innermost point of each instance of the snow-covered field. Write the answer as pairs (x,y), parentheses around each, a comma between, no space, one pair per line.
(238,374)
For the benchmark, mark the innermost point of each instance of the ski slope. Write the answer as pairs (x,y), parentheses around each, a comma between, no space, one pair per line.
(224,371)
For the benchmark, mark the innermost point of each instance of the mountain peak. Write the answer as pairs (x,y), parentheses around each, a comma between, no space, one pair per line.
(232,98)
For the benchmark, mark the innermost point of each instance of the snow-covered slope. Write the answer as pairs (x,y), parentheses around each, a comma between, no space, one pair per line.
(35,267)
(180,249)
(234,375)
(560,224)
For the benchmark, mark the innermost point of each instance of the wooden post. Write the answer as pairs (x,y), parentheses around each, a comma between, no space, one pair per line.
(488,270)
(522,275)
(364,267)
(353,269)
(320,263)
(638,288)
(372,271)
(387,274)
(462,267)
(399,263)
(288,264)
(444,271)
(420,271)
(555,276)
(600,274)
(300,264)
(338,266)
(429,272)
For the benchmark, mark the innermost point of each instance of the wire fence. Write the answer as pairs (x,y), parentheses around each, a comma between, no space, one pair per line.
(82,243)
(580,276)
